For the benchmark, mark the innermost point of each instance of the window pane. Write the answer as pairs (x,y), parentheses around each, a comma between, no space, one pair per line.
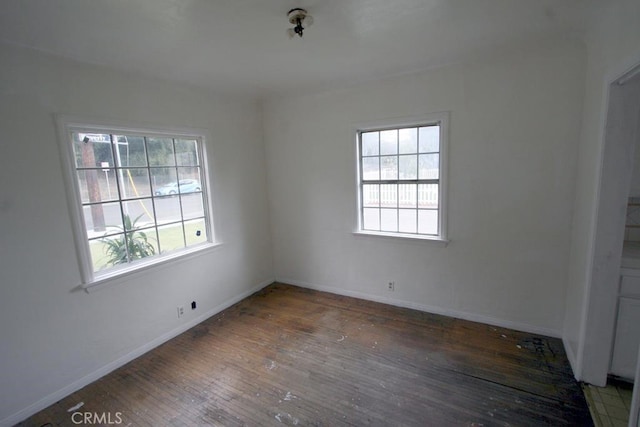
(139,214)
(371,219)
(187,152)
(389,167)
(98,251)
(407,195)
(130,151)
(371,168)
(428,166)
(408,167)
(389,142)
(428,196)
(408,140)
(389,195)
(429,139)
(94,152)
(164,181)
(428,222)
(168,209)
(108,251)
(160,152)
(192,206)
(171,237)
(134,183)
(370,144)
(102,218)
(389,220)
(190,172)
(370,195)
(189,180)
(196,232)
(407,221)
(142,244)
(97,185)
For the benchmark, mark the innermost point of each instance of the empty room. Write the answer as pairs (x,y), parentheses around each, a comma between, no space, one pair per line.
(319,212)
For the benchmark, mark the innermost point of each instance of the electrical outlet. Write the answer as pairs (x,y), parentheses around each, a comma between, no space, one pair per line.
(391,286)
(180,311)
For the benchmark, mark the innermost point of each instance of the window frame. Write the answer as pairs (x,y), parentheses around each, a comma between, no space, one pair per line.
(441,119)
(90,279)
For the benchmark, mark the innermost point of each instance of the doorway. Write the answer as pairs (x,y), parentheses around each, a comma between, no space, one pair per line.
(621,135)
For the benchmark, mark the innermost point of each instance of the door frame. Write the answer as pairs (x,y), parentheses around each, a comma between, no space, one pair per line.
(620,132)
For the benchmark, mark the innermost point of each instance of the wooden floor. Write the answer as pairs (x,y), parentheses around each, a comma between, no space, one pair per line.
(293,356)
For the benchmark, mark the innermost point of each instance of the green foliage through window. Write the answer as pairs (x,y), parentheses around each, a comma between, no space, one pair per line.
(130,246)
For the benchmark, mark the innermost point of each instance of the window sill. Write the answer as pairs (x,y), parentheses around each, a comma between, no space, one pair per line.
(126,273)
(436,240)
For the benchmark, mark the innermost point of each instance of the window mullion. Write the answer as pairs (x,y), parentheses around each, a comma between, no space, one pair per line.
(118,169)
(417,205)
(153,199)
(400,181)
(359,166)
(184,231)
(398,207)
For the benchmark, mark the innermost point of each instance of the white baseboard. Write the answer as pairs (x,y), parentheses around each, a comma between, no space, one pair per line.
(573,361)
(54,397)
(524,327)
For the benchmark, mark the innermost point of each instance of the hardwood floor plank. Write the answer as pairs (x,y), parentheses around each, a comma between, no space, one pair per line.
(293,356)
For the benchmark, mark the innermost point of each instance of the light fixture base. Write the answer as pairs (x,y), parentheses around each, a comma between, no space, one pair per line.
(300,19)
(297,14)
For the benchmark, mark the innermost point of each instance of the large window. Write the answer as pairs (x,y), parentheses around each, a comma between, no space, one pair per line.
(140,197)
(401,180)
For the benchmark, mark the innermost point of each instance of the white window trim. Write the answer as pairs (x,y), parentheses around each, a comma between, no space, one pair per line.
(65,126)
(443,119)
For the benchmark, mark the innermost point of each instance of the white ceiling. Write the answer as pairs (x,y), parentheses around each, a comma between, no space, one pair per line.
(241,46)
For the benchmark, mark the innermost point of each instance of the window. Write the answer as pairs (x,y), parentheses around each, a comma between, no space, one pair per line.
(401,187)
(139,196)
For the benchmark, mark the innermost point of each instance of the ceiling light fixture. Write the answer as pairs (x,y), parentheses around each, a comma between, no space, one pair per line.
(298,17)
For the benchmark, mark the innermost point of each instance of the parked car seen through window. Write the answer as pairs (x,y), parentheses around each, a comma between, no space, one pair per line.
(186,186)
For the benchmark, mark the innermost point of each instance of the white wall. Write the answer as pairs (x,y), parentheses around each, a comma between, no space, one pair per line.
(515,122)
(613,45)
(635,178)
(53,339)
